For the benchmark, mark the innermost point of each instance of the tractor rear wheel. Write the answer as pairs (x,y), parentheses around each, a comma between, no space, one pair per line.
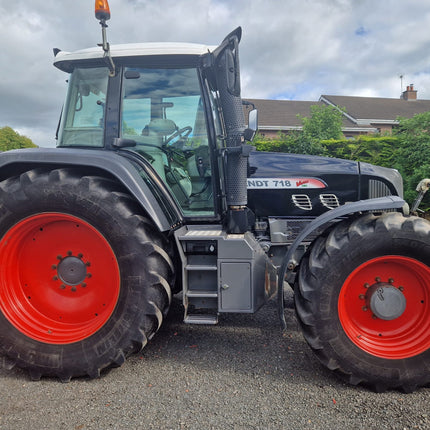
(84,279)
(363,301)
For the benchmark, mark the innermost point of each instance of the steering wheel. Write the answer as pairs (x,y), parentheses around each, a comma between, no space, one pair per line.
(182,133)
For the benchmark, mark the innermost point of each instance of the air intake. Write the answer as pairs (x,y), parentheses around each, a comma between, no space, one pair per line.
(302,201)
(329,201)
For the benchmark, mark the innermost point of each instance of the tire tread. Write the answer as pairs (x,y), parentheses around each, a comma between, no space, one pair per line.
(19,193)
(324,255)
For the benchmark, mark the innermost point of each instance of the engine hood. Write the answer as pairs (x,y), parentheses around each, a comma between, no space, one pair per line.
(281,184)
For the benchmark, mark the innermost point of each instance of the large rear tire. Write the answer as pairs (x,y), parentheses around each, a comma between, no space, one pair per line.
(84,279)
(363,301)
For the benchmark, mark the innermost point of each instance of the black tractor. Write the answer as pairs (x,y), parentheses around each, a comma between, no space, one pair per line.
(154,189)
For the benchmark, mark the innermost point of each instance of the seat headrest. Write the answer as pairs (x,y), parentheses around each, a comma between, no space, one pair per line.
(165,127)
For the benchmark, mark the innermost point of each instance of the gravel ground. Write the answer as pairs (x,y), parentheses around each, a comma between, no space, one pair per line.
(240,374)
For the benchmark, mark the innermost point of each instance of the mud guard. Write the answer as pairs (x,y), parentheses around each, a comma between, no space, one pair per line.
(288,263)
(165,216)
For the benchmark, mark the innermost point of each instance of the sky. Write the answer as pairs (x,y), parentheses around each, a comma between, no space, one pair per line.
(290,49)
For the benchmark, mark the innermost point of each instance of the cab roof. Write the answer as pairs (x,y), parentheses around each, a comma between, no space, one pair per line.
(66,60)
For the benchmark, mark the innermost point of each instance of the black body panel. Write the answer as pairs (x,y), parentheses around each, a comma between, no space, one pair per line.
(334,176)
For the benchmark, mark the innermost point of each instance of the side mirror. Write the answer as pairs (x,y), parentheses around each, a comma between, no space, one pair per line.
(232,70)
(222,64)
(249,133)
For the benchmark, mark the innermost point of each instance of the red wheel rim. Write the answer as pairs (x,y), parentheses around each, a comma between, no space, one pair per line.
(59,279)
(404,336)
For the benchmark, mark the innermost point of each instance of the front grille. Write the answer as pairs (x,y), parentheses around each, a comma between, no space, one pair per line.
(329,201)
(302,201)
(378,189)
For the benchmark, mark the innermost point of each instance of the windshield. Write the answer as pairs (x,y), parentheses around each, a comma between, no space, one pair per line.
(83,120)
(163,112)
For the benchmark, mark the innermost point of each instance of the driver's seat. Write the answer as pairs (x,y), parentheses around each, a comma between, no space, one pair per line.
(157,129)
(174,174)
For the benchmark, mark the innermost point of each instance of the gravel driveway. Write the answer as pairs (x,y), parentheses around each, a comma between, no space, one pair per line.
(240,374)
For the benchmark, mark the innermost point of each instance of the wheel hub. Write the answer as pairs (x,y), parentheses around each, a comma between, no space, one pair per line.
(384,307)
(72,270)
(60,278)
(386,301)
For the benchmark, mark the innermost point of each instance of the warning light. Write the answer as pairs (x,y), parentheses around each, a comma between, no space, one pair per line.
(102,10)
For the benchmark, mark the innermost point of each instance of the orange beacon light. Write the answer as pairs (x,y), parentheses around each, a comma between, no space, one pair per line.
(102,10)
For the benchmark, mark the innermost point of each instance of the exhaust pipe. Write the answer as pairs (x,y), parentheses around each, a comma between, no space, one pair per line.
(227,77)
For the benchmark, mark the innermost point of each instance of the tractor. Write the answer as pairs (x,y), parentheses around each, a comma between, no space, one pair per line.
(154,189)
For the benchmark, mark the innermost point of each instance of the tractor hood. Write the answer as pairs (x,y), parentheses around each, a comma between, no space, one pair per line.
(282,184)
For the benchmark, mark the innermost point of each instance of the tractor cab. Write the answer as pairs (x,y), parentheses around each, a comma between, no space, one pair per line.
(158,107)
(176,107)
(163,103)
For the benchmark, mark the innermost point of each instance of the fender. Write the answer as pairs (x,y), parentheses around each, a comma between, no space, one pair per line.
(288,262)
(163,212)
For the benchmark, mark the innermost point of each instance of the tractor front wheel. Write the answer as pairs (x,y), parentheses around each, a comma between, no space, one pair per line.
(84,279)
(363,301)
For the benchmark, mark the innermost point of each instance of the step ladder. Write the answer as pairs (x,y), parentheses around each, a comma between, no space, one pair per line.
(199,254)
(222,273)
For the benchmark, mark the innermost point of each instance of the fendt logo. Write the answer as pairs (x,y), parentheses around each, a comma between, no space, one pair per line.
(284,183)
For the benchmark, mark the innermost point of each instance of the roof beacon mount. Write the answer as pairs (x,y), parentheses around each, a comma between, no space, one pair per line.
(102,13)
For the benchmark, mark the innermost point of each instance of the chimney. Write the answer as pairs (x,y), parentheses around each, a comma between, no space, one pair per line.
(410,93)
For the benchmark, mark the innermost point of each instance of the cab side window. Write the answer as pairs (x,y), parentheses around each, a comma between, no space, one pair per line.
(162,111)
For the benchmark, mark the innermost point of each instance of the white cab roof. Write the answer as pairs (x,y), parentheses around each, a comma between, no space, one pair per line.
(63,59)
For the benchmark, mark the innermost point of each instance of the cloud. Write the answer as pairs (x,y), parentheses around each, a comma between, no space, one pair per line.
(295,49)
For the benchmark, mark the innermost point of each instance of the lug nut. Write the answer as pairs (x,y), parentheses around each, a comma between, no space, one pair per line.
(378,279)
(55,278)
(361,296)
(80,255)
(401,288)
(62,286)
(59,257)
(364,308)
(54,267)
(366,285)
(69,253)
(73,289)
(83,285)
(391,280)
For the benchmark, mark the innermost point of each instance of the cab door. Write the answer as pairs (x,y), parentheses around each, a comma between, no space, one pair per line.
(163,112)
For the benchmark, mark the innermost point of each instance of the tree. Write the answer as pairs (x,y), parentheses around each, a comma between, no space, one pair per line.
(294,143)
(10,139)
(325,122)
(413,159)
(373,149)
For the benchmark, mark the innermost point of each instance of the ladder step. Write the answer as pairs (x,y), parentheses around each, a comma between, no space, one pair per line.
(196,267)
(202,293)
(201,319)
(201,235)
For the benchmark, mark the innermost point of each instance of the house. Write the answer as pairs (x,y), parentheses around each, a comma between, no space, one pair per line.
(362,115)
